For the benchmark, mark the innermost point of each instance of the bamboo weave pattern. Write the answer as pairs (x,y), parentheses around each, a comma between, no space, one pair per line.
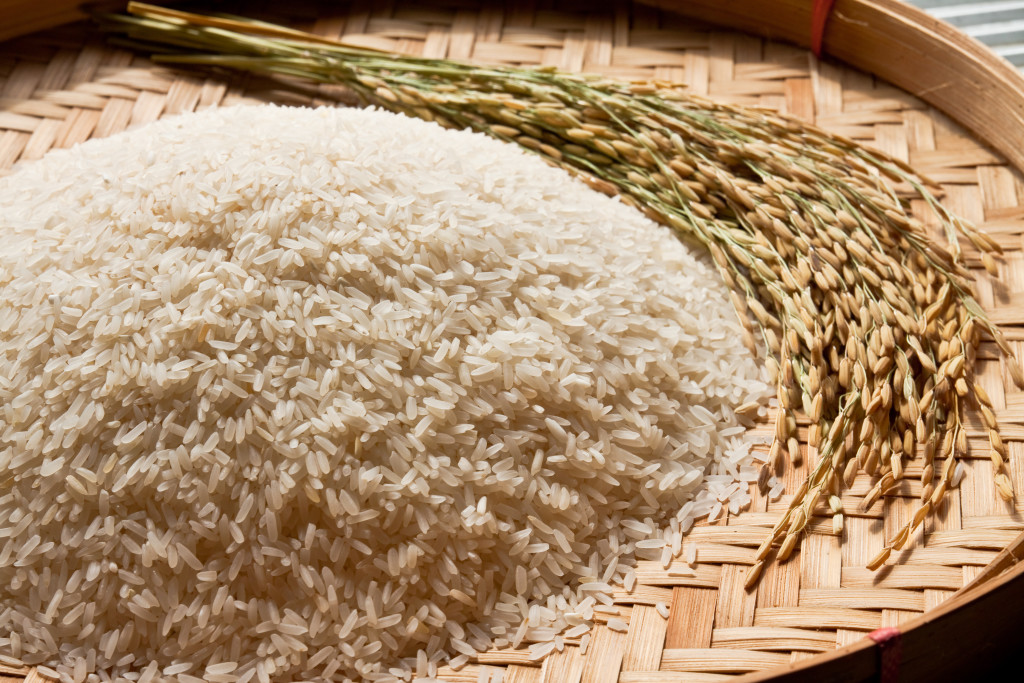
(65,86)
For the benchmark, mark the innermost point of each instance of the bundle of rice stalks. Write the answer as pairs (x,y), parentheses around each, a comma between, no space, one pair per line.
(871,327)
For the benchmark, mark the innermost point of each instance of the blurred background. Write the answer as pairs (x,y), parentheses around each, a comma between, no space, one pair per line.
(997,23)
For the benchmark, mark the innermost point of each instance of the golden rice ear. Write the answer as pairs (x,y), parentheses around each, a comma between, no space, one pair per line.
(753,575)
(879,559)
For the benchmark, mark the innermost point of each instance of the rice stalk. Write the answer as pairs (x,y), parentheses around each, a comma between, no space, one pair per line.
(870,325)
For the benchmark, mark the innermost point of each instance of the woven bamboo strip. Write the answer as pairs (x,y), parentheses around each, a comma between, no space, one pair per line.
(522,674)
(773,638)
(563,666)
(604,656)
(720,660)
(65,86)
(645,640)
(672,677)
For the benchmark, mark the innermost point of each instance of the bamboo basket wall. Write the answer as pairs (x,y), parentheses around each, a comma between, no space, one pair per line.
(64,85)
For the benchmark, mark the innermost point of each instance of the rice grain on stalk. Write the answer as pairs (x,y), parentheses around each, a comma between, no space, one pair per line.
(813,230)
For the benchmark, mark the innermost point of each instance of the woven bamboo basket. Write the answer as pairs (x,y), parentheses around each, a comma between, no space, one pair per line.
(808,618)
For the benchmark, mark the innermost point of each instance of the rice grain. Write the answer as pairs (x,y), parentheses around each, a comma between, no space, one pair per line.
(285,392)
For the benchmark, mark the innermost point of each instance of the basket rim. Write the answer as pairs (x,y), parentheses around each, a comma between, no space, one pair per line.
(914,51)
(937,63)
(860,32)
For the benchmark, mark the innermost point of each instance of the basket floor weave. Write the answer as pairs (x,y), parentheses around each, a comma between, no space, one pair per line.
(65,86)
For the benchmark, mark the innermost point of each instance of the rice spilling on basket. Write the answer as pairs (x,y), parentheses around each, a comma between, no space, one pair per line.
(336,394)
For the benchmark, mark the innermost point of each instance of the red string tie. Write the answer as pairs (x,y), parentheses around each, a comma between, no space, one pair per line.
(889,651)
(820,13)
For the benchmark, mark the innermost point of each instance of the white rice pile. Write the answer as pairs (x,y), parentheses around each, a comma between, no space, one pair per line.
(292,394)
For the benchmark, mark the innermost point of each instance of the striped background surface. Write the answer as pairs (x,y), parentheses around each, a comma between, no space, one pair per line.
(997,23)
